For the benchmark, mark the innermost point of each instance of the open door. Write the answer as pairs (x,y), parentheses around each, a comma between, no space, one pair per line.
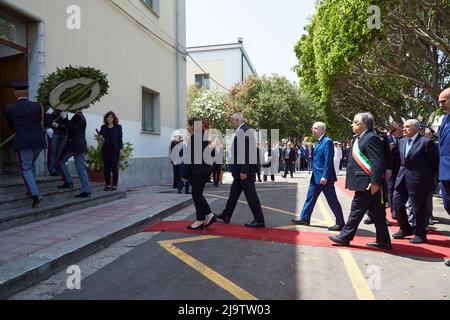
(11,68)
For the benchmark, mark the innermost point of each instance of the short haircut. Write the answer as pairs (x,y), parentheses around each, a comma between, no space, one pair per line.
(238,116)
(321,125)
(367,119)
(415,123)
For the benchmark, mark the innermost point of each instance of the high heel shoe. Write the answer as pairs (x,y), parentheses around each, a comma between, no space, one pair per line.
(200,227)
(211,221)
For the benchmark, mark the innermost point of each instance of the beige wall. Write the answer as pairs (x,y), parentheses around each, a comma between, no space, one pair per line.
(216,69)
(120,47)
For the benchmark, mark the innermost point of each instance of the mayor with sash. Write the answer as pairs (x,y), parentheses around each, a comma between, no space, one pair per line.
(365,168)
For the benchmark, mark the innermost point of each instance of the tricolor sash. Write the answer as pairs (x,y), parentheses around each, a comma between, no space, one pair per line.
(361,158)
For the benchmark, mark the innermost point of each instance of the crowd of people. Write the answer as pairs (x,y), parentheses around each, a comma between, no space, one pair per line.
(402,169)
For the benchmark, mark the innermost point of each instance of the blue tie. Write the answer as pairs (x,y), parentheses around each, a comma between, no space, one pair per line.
(408,147)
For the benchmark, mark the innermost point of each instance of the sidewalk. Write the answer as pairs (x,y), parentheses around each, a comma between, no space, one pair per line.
(32,252)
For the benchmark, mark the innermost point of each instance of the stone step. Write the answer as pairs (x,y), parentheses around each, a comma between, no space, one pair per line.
(20,216)
(50,193)
(14,184)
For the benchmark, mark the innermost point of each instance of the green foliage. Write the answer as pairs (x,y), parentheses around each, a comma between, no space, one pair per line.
(76,94)
(95,161)
(210,105)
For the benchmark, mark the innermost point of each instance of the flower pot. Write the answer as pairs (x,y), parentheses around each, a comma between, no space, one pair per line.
(96,176)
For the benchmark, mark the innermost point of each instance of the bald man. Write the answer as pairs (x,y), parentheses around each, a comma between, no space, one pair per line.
(444,148)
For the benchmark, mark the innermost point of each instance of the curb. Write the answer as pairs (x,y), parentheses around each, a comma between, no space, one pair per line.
(25,272)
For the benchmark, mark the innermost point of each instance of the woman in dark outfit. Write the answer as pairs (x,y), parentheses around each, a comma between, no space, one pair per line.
(198,175)
(111,137)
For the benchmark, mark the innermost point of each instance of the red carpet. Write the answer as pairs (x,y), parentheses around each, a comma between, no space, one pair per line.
(438,246)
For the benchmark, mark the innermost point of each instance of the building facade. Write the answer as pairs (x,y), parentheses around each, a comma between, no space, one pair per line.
(136,42)
(227,64)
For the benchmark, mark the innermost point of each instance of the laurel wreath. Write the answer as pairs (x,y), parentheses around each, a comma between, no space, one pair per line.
(72,88)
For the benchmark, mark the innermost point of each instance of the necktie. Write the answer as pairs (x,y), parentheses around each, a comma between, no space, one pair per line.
(408,147)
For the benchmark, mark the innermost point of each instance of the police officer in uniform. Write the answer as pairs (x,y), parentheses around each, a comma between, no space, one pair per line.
(75,147)
(27,118)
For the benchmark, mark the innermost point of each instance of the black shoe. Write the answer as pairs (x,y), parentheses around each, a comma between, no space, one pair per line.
(337,240)
(431,221)
(200,227)
(66,186)
(83,195)
(300,222)
(187,192)
(255,224)
(224,219)
(114,189)
(447,263)
(388,223)
(336,228)
(387,246)
(417,240)
(213,219)
(107,188)
(368,221)
(402,235)
(36,201)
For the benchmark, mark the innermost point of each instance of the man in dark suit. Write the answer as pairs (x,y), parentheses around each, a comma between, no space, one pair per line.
(75,147)
(27,119)
(418,165)
(290,156)
(444,148)
(243,170)
(365,168)
(322,180)
(393,138)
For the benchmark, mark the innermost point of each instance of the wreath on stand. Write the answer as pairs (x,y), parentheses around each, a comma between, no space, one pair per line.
(70,89)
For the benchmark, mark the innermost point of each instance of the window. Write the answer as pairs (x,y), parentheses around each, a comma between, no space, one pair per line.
(153,4)
(202,81)
(150,111)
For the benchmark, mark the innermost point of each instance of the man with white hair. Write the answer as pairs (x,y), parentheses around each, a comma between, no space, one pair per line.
(322,180)
(243,169)
(419,161)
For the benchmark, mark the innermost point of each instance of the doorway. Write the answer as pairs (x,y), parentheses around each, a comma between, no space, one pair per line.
(11,68)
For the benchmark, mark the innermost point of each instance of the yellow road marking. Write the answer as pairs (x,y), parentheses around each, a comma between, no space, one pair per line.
(357,278)
(204,270)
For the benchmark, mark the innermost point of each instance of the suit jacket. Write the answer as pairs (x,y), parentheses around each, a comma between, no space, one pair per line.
(25,117)
(323,165)
(247,167)
(444,149)
(419,168)
(117,142)
(395,154)
(292,155)
(76,140)
(372,147)
(192,169)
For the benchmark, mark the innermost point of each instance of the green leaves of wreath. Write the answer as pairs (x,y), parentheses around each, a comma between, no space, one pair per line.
(73,88)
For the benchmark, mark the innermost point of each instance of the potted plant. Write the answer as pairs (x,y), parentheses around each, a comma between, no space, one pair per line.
(95,161)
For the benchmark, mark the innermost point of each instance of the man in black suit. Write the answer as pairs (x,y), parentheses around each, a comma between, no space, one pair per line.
(243,170)
(365,168)
(290,156)
(27,118)
(393,138)
(419,161)
(75,147)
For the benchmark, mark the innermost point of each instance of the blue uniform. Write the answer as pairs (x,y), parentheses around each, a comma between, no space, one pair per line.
(26,118)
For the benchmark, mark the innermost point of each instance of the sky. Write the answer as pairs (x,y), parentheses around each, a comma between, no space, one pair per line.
(270,29)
